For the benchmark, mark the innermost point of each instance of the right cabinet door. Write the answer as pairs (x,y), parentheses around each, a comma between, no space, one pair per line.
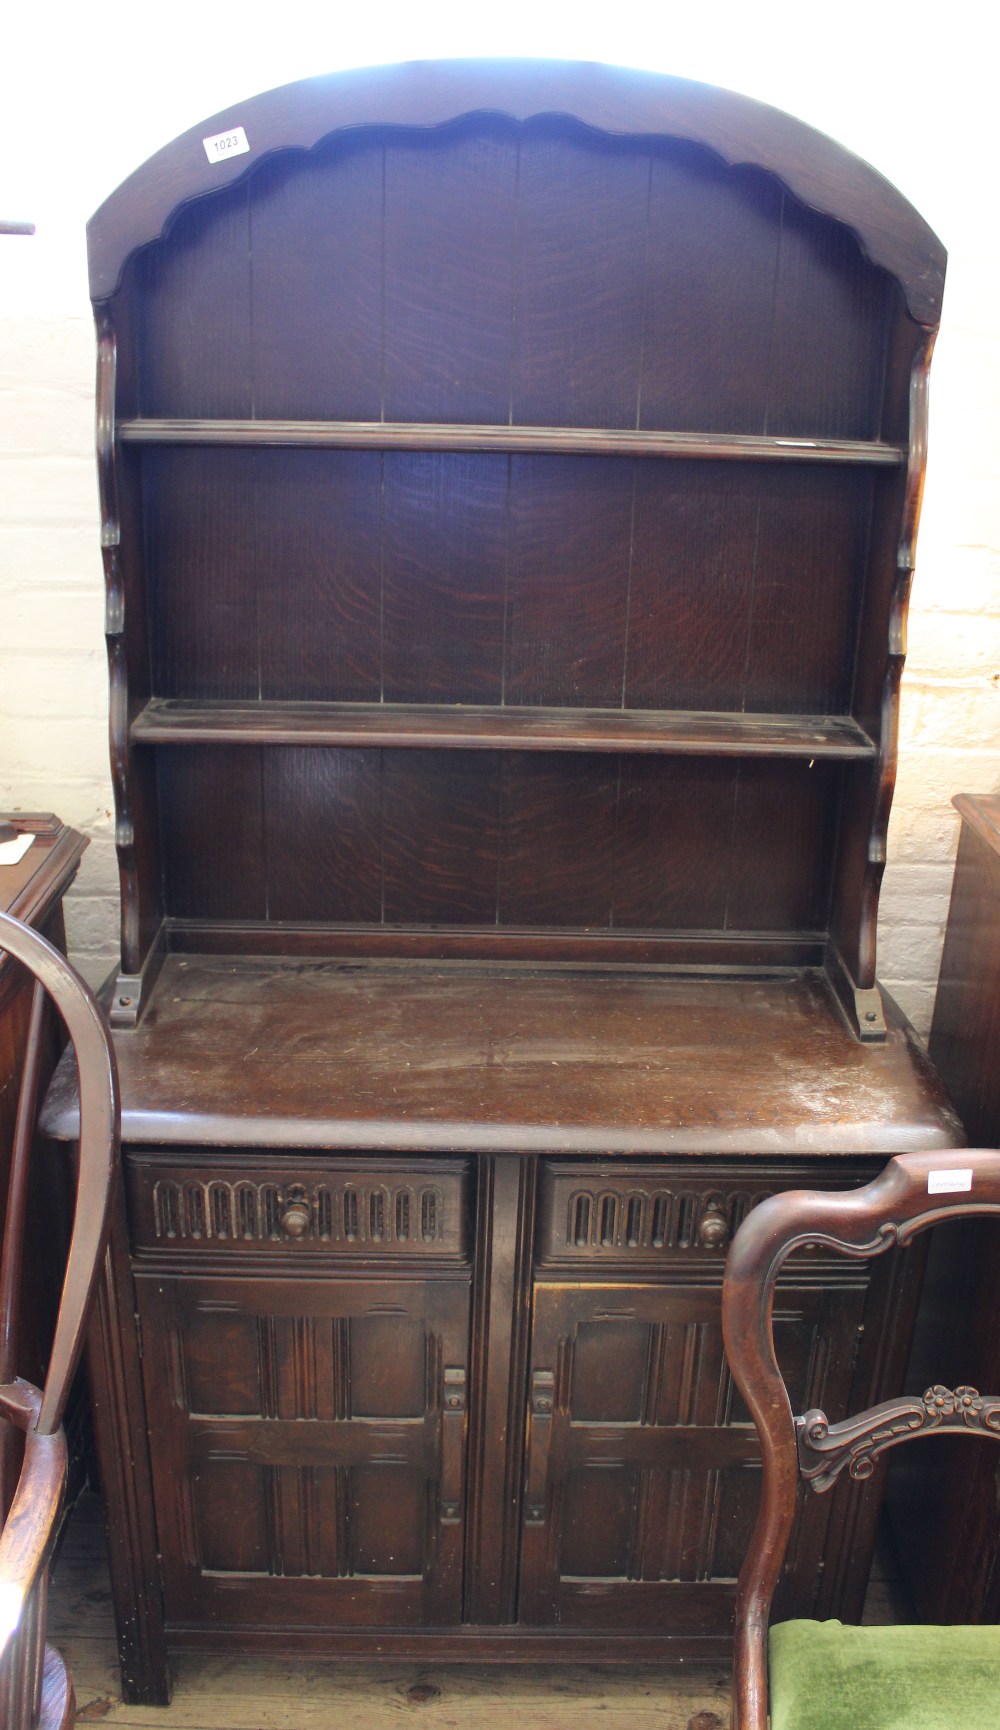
(642,1468)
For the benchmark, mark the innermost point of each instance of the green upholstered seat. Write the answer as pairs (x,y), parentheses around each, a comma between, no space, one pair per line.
(825,1676)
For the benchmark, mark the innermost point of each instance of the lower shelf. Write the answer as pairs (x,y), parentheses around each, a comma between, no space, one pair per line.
(176,721)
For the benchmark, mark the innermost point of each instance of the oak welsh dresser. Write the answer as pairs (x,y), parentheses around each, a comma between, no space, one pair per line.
(510,475)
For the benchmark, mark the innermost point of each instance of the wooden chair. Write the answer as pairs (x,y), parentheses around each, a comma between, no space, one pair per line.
(35,1690)
(822,1675)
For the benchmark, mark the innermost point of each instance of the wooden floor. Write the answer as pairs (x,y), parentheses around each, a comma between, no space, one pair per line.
(267,1694)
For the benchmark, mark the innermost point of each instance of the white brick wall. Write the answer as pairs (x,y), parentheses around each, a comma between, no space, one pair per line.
(108,98)
(53,671)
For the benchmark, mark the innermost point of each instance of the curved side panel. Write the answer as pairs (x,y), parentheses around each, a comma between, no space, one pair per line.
(114,632)
(134,793)
(888,755)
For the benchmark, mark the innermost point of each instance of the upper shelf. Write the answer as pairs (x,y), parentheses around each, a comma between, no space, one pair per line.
(682,732)
(581,441)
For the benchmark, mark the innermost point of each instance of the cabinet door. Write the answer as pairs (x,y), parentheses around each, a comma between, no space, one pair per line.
(642,1469)
(309,1447)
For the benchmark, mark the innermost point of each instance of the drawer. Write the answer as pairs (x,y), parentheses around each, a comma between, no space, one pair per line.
(645,1214)
(233,1202)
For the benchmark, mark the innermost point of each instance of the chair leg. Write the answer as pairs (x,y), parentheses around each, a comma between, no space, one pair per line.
(36,1692)
(21,1689)
(57,1708)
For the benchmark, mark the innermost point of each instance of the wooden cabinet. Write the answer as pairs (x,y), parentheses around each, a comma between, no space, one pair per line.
(510,477)
(387,1402)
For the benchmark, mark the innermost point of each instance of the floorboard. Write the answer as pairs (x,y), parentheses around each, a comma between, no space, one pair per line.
(213,1692)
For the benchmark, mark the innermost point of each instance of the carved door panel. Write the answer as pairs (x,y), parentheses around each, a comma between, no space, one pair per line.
(642,1468)
(309,1447)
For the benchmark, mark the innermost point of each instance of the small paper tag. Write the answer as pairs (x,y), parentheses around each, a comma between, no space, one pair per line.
(226,144)
(949,1182)
(12,852)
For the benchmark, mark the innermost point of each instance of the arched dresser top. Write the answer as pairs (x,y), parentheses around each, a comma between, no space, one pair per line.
(612,100)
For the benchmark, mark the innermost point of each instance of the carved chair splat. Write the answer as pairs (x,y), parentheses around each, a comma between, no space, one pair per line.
(913,1192)
(35,1689)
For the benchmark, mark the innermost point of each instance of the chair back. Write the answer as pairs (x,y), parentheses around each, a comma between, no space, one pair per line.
(34,1689)
(913,1192)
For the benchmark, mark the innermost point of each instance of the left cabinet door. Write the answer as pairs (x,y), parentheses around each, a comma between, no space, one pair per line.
(308,1447)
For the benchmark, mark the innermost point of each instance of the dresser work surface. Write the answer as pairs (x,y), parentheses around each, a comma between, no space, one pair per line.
(314,1054)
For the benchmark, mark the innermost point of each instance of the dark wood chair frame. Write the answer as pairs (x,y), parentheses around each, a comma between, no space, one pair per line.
(907,1197)
(35,1689)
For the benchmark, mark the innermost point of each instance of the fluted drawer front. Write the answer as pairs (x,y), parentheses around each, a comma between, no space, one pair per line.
(648,1213)
(232,1203)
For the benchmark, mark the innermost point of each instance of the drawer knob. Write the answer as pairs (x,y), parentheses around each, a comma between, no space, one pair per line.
(713,1228)
(296,1219)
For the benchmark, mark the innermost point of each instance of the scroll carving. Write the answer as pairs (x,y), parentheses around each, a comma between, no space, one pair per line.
(825,1449)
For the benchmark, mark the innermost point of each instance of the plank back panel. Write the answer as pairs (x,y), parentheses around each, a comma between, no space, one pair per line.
(316,564)
(193,332)
(830,320)
(479,839)
(783,836)
(444,578)
(440,837)
(450,222)
(561,581)
(675,818)
(694,559)
(583,211)
(329,868)
(557,841)
(314,263)
(212,833)
(201,569)
(570,534)
(809,571)
(706,353)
